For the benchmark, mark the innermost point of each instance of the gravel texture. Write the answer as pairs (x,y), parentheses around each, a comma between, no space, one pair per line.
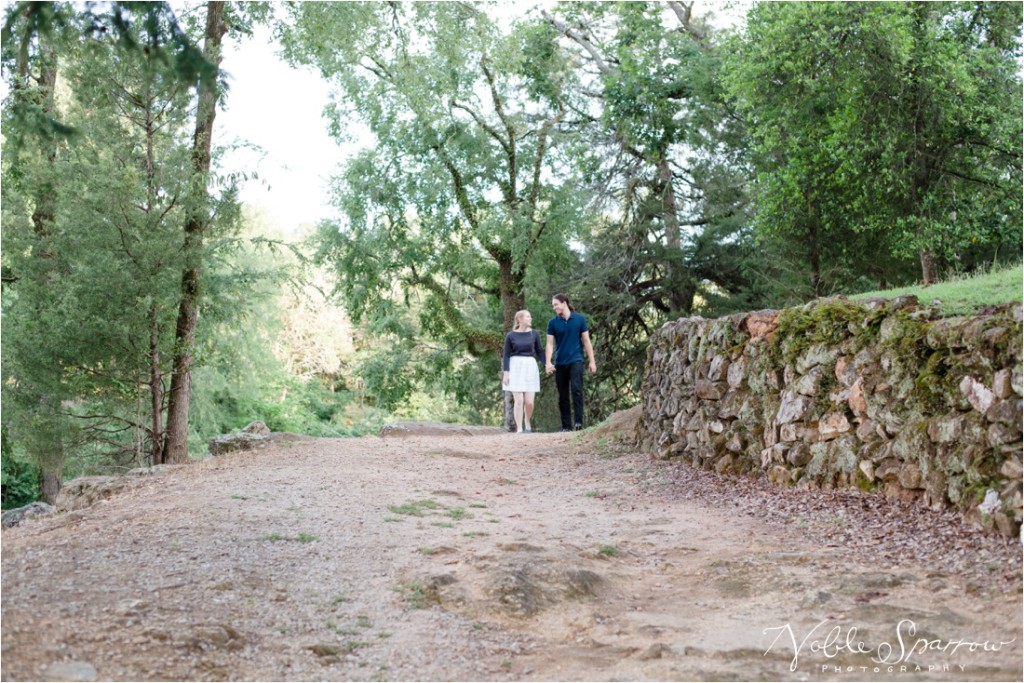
(498,557)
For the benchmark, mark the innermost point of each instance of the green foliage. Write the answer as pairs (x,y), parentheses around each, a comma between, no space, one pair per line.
(882,131)
(91,236)
(20,479)
(658,156)
(139,31)
(453,206)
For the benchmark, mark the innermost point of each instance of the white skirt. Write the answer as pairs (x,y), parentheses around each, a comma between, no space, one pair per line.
(523,374)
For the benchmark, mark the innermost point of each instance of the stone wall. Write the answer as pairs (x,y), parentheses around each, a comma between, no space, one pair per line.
(882,395)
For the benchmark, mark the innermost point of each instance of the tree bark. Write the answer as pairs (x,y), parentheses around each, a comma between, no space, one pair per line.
(176,446)
(510,286)
(156,389)
(814,246)
(929,272)
(49,485)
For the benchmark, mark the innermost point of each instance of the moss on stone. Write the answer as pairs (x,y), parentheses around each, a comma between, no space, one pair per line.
(827,321)
(822,403)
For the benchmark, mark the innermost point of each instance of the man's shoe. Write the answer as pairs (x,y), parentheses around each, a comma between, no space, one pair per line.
(566,429)
(578,427)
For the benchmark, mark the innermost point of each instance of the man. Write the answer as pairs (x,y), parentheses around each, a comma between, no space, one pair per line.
(568,336)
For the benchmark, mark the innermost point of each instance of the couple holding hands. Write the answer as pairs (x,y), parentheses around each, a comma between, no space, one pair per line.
(568,337)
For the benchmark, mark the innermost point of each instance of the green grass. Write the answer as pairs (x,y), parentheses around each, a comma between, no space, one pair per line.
(964,295)
(302,537)
(414,508)
(413,594)
(608,551)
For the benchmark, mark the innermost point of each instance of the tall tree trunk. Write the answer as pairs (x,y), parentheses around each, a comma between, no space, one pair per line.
(815,262)
(156,379)
(50,453)
(510,288)
(46,193)
(814,246)
(156,388)
(176,446)
(49,485)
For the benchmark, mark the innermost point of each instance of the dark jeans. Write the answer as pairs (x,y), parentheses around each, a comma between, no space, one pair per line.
(569,379)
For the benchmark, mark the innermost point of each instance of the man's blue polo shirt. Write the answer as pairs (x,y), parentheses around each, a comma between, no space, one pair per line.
(567,334)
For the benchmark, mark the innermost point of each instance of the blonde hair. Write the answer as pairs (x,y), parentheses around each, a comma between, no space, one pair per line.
(518,319)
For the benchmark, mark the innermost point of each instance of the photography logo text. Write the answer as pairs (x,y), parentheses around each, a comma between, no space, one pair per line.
(905,652)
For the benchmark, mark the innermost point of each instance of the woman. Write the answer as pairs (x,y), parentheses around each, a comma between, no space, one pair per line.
(519,365)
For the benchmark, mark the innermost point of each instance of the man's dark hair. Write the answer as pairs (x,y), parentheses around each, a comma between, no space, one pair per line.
(565,300)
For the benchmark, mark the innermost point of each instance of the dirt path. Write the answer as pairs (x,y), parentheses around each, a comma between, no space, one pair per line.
(507,557)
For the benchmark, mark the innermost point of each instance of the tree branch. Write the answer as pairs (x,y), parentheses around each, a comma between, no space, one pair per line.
(460,188)
(539,162)
(512,194)
(453,317)
(491,130)
(684,12)
(580,40)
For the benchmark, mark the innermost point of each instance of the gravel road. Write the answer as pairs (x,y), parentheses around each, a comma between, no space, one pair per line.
(500,557)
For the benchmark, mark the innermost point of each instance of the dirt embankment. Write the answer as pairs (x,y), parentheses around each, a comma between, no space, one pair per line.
(500,557)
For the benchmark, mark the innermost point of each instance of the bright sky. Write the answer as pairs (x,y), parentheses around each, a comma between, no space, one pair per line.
(279,109)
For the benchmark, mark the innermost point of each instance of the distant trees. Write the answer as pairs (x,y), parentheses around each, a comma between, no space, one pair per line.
(823,148)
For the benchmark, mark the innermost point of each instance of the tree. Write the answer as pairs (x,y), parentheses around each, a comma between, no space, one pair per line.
(646,78)
(30,190)
(464,190)
(176,447)
(890,128)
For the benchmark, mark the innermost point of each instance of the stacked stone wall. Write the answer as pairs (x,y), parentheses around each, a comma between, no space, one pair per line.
(882,395)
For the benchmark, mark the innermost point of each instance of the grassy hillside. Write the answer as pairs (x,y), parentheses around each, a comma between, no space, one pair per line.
(964,295)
